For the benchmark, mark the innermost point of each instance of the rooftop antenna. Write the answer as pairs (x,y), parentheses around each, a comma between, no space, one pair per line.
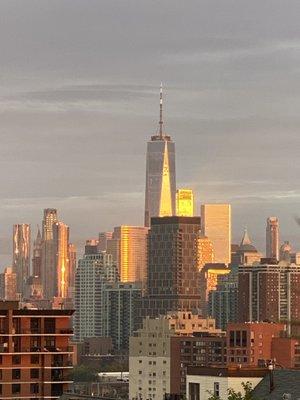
(161,111)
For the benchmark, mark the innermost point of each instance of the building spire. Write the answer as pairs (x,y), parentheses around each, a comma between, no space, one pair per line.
(161,112)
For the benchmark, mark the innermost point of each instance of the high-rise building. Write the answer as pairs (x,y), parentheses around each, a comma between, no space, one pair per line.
(205,251)
(131,253)
(37,256)
(8,285)
(21,255)
(160,194)
(172,276)
(216,225)
(208,281)
(246,253)
(269,292)
(103,238)
(36,352)
(272,238)
(62,270)
(49,280)
(120,312)
(92,273)
(184,203)
(72,269)
(223,301)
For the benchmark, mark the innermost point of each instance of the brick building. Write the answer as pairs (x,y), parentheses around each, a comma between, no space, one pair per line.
(35,355)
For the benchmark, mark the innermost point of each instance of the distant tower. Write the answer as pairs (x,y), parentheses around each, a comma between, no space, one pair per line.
(160,194)
(184,203)
(272,238)
(48,254)
(37,255)
(21,255)
(61,244)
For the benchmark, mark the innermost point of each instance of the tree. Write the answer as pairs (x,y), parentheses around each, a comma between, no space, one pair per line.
(82,373)
(233,395)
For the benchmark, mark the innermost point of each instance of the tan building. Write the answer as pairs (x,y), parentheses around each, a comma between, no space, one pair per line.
(272,238)
(205,251)
(8,284)
(184,203)
(158,353)
(216,225)
(129,249)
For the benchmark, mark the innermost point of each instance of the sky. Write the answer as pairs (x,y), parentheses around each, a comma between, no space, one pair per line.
(79,90)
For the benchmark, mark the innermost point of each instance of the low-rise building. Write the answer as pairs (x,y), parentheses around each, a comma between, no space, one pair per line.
(204,382)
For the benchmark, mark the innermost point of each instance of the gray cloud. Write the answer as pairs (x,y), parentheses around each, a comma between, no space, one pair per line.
(78,101)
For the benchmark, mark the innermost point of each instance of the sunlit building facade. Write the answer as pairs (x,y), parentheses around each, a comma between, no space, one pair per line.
(61,242)
(131,252)
(72,269)
(272,238)
(8,284)
(37,256)
(21,255)
(160,194)
(216,225)
(49,280)
(184,203)
(103,238)
(205,251)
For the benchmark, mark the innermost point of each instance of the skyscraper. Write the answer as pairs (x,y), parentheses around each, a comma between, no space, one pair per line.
(37,255)
(72,269)
(160,194)
(272,238)
(21,255)
(8,284)
(131,252)
(172,274)
(216,225)
(62,270)
(205,251)
(48,254)
(184,203)
(103,238)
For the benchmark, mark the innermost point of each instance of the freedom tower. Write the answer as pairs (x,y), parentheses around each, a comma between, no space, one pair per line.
(160,195)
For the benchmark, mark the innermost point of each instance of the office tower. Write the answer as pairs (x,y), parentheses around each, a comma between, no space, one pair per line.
(184,203)
(92,273)
(120,312)
(49,280)
(21,255)
(8,285)
(72,269)
(103,238)
(272,238)
(208,281)
(223,301)
(172,275)
(160,194)
(91,246)
(131,252)
(216,225)
(269,292)
(62,270)
(36,352)
(285,251)
(205,251)
(37,255)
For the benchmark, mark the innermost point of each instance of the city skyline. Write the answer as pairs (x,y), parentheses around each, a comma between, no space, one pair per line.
(232,109)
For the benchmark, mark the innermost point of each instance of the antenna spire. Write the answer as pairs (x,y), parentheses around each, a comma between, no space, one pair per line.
(161,111)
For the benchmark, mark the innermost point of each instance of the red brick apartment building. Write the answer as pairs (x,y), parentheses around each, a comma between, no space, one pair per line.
(35,355)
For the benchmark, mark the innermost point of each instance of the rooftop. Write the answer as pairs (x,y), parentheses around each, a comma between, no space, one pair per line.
(227,372)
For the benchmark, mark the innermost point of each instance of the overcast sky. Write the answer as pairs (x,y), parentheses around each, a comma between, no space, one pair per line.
(79,84)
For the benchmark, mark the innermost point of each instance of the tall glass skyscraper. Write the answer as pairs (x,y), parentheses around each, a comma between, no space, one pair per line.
(21,255)
(160,195)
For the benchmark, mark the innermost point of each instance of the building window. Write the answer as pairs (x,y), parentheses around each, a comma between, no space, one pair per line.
(217,389)
(34,388)
(16,388)
(194,391)
(34,373)
(16,359)
(35,359)
(16,374)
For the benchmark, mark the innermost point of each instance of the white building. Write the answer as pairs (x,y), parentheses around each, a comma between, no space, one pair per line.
(203,382)
(92,273)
